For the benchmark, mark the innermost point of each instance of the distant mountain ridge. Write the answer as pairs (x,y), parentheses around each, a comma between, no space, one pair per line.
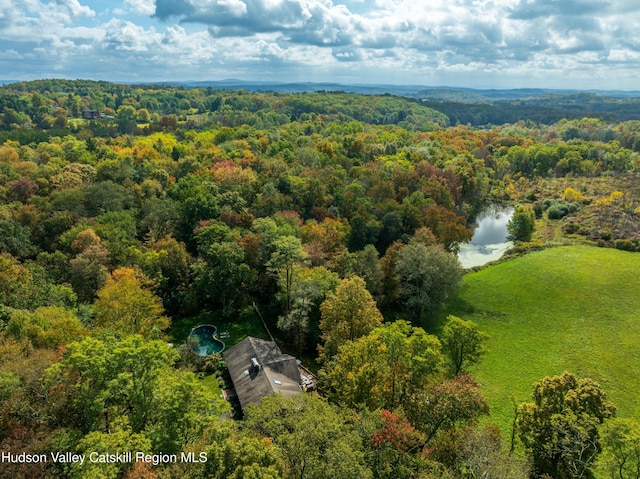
(416,91)
(440,92)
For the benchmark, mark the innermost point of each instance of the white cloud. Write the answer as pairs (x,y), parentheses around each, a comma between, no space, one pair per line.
(382,40)
(73,8)
(127,36)
(11,55)
(235,8)
(141,7)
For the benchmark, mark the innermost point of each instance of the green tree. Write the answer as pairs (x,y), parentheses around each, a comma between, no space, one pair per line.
(462,343)
(309,288)
(86,276)
(198,201)
(522,224)
(428,276)
(122,438)
(15,238)
(621,448)
(88,270)
(106,196)
(296,323)
(316,442)
(287,254)
(81,377)
(169,263)
(347,314)
(559,428)
(222,276)
(126,119)
(180,410)
(384,368)
(365,228)
(143,115)
(358,375)
(231,454)
(367,265)
(161,217)
(46,327)
(15,283)
(118,230)
(99,381)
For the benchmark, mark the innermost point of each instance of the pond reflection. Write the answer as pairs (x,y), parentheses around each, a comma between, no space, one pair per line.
(489,241)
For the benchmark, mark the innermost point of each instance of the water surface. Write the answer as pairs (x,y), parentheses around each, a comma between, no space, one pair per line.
(205,343)
(489,241)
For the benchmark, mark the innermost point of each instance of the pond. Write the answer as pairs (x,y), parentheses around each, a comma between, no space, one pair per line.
(489,241)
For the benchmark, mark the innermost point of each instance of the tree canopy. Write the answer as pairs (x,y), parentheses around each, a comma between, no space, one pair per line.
(347,315)
(559,428)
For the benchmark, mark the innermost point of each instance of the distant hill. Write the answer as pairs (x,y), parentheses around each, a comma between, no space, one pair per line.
(473,95)
(546,108)
(416,91)
(441,92)
(299,87)
(476,107)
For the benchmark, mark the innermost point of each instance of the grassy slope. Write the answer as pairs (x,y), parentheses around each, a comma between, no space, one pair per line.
(574,308)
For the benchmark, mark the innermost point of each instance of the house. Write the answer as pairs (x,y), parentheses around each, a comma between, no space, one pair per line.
(258,368)
(90,114)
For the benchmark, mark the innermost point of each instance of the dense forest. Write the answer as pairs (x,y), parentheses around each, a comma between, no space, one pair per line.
(131,213)
(497,107)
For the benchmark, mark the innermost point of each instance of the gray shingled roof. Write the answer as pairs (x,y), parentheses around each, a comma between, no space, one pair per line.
(277,373)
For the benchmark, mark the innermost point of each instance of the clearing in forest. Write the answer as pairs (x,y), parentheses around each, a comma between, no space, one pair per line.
(573,308)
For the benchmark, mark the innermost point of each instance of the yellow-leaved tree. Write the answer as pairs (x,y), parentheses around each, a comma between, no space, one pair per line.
(124,305)
(347,314)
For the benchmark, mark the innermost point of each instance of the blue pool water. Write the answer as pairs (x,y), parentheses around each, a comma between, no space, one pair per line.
(205,342)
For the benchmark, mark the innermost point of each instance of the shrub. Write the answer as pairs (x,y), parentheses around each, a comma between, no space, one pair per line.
(557,212)
(558,209)
(571,227)
(538,209)
(625,245)
(572,195)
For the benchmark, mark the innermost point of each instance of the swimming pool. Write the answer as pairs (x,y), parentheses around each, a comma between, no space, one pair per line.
(203,342)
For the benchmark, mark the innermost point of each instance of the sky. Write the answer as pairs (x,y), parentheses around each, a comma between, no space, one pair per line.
(583,44)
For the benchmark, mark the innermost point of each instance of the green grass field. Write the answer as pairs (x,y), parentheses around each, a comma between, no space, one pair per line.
(573,308)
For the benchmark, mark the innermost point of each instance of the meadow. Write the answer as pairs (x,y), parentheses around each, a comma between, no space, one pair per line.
(570,308)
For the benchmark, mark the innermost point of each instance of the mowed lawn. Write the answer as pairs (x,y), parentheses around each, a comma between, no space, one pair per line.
(571,308)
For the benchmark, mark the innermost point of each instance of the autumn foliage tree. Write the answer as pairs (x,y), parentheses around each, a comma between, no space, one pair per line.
(347,314)
(559,428)
(395,446)
(447,405)
(126,306)
(384,368)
